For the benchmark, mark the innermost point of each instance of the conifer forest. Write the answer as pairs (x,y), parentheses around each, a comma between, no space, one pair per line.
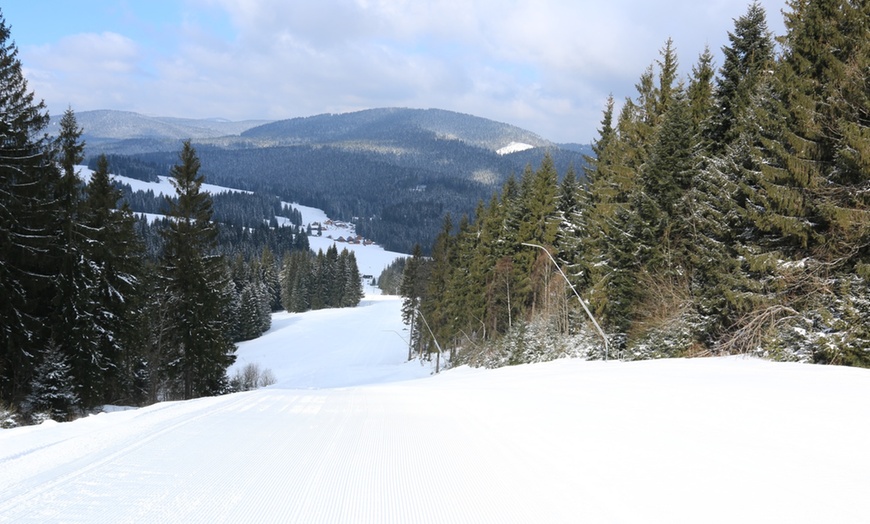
(726,211)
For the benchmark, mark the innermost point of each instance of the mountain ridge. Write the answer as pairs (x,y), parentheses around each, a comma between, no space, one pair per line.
(446,125)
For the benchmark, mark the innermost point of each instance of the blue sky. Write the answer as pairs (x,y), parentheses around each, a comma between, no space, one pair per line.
(545,65)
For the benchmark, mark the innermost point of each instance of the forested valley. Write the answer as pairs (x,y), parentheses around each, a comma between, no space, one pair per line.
(723,213)
(396,192)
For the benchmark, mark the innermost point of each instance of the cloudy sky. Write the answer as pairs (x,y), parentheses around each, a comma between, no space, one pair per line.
(545,65)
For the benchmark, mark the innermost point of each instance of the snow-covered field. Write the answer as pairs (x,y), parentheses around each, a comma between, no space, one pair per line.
(371,259)
(353,433)
(163,187)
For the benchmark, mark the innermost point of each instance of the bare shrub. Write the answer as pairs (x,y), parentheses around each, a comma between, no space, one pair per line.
(251,377)
(267,378)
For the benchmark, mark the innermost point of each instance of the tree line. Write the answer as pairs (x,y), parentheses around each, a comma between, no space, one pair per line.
(98,307)
(726,212)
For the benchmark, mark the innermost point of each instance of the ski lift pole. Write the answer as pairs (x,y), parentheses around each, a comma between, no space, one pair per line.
(586,309)
(437,345)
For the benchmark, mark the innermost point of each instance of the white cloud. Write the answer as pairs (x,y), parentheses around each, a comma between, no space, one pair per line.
(547,65)
(86,69)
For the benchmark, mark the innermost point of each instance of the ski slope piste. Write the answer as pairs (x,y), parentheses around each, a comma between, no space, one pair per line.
(352,432)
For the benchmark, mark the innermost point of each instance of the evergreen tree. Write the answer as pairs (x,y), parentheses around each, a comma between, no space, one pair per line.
(724,289)
(701,90)
(612,247)
(806,201)
(115,256)
(193,279)
(466,279)
(27,181)
(413,291)
(748,59)
(53,391)
(75,305)
(434,306)
(269,277)
(353,285)
(296,281)
(494,263)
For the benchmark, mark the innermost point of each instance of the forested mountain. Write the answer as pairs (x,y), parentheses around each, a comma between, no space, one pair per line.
(726,212)
(364,127)
(394,172)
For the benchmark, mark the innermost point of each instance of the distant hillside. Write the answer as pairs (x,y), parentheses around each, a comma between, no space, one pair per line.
(387,123)
(108,126)
(396,172)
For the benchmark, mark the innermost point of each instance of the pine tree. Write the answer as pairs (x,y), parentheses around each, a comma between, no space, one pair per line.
(193,279)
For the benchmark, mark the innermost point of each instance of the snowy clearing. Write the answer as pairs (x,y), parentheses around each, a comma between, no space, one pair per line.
(353,433)
(514,147)
(371,259)
(163,187)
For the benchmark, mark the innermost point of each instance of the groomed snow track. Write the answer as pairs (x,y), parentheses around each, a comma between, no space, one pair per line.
(677,441)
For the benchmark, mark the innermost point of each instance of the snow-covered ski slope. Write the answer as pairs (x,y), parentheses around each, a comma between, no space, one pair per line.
(353,433)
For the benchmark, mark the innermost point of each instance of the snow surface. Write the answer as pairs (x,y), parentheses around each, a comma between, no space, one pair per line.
(514,147)
(353,433)
(163,187)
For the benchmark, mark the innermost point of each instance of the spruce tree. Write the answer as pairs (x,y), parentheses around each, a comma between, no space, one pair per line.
(434,306)
(353,287)
(115,255)
(413,290)
(269,276)
(74,324)
(701,90)
(806,201)
(27,182)
(192,276)
(748,58)
(725,289)
(53,392)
